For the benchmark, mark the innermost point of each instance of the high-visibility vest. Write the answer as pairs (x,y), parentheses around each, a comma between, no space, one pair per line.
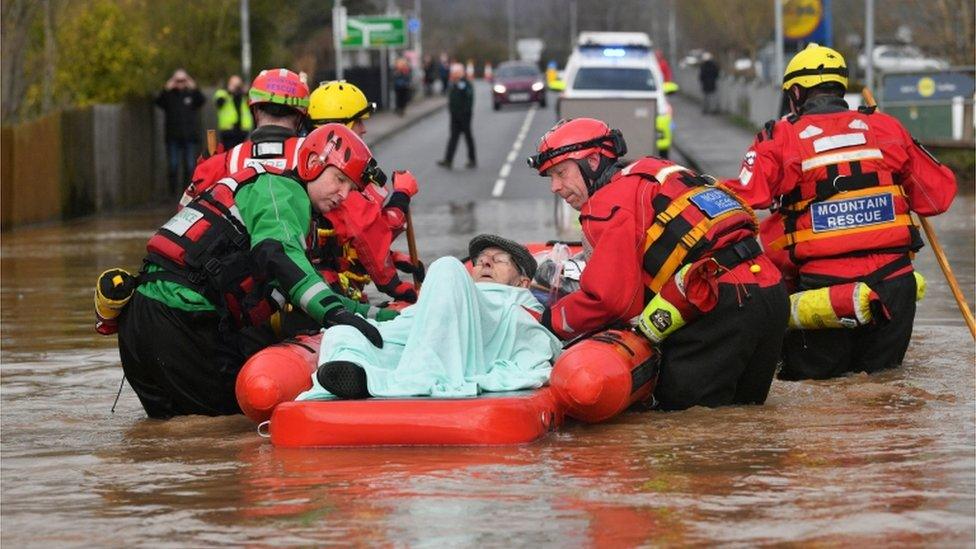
(229,115)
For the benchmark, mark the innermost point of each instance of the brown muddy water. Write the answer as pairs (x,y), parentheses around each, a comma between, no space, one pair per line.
(885,460)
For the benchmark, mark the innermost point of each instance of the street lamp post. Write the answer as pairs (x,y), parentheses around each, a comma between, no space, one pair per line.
(869,43)
(778,60)
(245,40)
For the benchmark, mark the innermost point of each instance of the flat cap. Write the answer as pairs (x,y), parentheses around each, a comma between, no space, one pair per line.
(520,254)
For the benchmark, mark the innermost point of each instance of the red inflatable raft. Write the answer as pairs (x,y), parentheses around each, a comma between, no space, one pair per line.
(494,418)
(593,380)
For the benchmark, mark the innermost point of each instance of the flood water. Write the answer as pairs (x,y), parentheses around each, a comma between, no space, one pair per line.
(883,460)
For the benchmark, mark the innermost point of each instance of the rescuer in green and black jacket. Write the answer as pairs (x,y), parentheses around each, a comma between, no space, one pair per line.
(222,265)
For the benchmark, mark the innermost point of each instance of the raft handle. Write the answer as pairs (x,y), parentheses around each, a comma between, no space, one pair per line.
(264,429)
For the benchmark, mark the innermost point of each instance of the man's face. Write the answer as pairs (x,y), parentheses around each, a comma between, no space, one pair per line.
(235,84)
(358,126)
(497,265)
(329,189)
(567,181)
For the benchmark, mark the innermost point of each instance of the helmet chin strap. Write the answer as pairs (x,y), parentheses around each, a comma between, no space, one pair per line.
(596,179)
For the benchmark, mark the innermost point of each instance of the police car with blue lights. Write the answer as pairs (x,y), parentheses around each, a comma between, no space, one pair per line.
(615,77)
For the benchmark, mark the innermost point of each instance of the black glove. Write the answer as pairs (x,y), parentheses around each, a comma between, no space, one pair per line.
(342,316)
(402,262)
(399,290)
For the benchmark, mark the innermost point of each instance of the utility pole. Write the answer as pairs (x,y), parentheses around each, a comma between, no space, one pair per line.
(245,40)
(869,43)
(418,44)
(673,34)
(778,63)
(338,33)
(511,29)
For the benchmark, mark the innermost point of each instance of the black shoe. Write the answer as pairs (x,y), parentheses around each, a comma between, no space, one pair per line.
(343,379)
(471,165)
(444,164)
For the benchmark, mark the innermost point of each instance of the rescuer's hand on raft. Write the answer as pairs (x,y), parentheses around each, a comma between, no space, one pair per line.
(399,290)
(342,316)
(403,264)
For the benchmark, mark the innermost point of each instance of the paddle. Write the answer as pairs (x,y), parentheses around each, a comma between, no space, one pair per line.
(940,255)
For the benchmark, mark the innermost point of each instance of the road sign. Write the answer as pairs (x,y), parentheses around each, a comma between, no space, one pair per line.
(931,86)
(801,18)
(369,31)
(413,24)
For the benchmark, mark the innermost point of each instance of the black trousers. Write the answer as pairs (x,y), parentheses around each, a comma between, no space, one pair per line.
(729,355)
(823,354)
(460,126)
(182,363)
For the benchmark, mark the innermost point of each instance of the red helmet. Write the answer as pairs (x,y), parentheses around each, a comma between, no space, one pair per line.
(577,138)
(279,86)
(336,145)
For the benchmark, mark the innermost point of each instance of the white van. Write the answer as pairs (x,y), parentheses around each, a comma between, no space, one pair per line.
(615,77)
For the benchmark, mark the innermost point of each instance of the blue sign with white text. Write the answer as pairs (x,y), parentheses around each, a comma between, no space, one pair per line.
(852,212)
(714,202)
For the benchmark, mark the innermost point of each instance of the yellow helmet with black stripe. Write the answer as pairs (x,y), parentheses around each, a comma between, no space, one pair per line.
(338,102)
(815,65)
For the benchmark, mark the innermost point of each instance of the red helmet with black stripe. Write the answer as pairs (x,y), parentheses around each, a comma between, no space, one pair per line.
(575,139)
(336,145)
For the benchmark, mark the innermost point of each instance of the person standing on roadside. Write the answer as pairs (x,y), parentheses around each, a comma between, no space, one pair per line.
(181,102)
(430,74)
(234,119)
(708,77)
(460,103)
(402,81)
(444,72)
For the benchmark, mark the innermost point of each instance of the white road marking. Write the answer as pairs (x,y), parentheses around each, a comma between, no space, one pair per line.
(499,187)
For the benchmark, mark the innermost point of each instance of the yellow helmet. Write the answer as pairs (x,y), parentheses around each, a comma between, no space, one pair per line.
(815,65)
(340,102)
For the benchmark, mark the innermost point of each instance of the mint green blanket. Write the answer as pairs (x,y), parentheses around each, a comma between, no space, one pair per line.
(460,338)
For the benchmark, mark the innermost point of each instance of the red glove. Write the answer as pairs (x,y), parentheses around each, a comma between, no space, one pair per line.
(404,182)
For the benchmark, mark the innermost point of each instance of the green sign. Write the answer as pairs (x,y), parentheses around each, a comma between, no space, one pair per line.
(369,31)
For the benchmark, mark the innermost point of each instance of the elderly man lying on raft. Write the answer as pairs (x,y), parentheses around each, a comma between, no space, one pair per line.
(468,332)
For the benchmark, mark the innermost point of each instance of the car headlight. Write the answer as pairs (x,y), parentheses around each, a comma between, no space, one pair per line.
(538,86)
(499,88)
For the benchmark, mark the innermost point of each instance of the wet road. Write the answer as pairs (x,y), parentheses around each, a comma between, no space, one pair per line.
(881,460)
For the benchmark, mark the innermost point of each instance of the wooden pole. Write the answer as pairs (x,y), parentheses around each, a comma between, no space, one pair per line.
(211,142)
(940,255)
(412,248)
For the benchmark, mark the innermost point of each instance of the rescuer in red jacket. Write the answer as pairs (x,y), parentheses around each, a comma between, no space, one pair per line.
(355,239)
(644,222)
(843,183)
(278,100)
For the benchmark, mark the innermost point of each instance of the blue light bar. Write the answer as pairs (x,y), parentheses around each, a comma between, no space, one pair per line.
(614,52)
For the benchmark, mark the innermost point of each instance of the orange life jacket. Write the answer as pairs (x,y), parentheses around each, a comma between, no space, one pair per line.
(691,213)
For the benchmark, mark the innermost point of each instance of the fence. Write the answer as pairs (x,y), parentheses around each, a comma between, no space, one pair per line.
(752,100)
(81,161)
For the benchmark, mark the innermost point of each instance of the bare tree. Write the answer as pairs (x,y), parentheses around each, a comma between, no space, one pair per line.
(17,19)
